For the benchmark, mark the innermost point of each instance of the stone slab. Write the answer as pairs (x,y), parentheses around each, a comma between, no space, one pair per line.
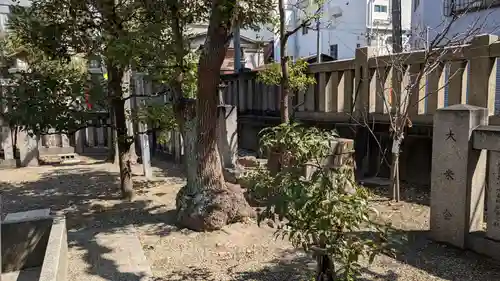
(493,214)
(115,254)
(28,149)
(8,163)
(458,175)
(55,150)
(32,214)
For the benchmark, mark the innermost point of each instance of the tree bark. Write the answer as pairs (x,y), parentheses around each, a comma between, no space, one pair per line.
(207,202)
(396,147)
(115,75)
(325,270)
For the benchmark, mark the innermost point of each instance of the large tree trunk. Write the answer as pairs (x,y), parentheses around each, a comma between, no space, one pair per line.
(207,202)
(115,76)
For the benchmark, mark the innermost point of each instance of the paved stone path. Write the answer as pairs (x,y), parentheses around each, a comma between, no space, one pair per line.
(110,255)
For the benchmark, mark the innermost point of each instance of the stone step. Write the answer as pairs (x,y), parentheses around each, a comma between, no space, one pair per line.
(66,158)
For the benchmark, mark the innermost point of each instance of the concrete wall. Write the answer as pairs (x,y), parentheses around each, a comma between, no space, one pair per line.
(24,244)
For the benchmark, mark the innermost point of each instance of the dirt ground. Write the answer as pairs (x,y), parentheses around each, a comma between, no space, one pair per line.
(89,196)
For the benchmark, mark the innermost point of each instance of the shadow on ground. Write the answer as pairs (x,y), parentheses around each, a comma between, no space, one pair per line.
(409,193)
(90,199)
(413,250)
(79,192)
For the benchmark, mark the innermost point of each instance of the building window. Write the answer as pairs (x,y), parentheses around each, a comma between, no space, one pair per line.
(334,51)
(380,8)
(452,7)
(358,45)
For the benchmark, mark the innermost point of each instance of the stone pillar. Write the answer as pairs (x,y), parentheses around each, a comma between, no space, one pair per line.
(493,215)
(227,138)
(145,153)
(100,137)
(363,106)
(458,175)
(483,73)
(8,148)
(80,141)
(90,136)
(64,140)
(28,149)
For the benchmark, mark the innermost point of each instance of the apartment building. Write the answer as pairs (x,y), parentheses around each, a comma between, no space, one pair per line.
(459,19)
(349,24)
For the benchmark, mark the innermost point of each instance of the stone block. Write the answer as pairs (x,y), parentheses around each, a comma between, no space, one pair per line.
(227,139)
(24,243)
(493,214)
(34,248)
(7,143)
(80,141)
(28,149)
(458,174)
(32,214)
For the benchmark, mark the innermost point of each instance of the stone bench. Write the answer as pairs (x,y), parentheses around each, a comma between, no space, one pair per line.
(34,245)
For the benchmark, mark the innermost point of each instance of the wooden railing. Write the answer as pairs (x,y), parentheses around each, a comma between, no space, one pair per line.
(365,85)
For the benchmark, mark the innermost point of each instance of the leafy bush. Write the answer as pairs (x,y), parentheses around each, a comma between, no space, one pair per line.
(299,80)
(301,142)
(327,214)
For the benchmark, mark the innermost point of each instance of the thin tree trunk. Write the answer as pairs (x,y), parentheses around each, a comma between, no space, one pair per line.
(115,76)
(325,270)
(208,203)
(395,170)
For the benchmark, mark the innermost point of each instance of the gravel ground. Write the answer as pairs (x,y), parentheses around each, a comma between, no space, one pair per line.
(88,193)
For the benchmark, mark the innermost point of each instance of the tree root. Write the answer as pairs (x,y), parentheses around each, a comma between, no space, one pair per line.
(211,209)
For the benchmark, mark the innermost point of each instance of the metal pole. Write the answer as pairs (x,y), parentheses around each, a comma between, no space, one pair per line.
(318,41)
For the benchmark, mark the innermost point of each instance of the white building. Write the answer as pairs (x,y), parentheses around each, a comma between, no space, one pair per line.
(349,24)
(473,17)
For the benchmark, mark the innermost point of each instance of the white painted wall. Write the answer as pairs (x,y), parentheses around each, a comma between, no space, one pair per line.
(359,19)
(430,13)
